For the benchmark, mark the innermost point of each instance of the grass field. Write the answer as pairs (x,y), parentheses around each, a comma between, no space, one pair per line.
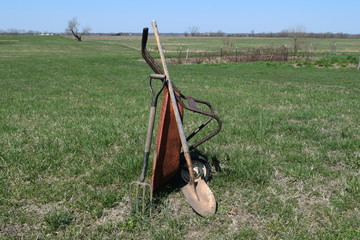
(215,43)
(73,119)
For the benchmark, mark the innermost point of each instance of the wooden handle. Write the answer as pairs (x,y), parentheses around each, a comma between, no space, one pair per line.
(174,105)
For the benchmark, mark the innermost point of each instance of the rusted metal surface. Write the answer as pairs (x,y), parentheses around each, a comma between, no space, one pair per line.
(167,154)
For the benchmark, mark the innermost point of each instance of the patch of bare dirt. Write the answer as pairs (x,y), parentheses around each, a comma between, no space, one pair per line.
(116,214)
(15,230)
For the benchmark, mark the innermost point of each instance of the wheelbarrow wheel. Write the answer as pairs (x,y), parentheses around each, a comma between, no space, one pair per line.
(201,168)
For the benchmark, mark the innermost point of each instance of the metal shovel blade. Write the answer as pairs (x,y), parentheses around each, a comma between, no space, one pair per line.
(200,198)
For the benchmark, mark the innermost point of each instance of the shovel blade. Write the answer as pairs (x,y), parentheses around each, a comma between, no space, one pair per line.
(200,198)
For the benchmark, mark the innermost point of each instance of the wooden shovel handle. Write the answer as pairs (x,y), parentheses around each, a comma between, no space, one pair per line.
(175,107)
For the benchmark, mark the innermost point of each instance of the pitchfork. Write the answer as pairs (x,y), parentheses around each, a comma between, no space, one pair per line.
(141,187)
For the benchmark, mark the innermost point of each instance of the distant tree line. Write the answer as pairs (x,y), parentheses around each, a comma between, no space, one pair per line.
(14,31)
(194,32)
(283,34)
(286,34)
(298,30)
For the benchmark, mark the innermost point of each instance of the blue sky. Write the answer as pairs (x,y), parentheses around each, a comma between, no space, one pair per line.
(230,16)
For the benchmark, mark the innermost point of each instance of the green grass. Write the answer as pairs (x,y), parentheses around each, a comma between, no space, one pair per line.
(73,119)
(215,43)
(58,219)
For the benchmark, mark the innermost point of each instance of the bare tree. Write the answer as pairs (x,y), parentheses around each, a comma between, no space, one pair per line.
(220,33)
(194,31)
(297,34)
(228,42)
(73,28)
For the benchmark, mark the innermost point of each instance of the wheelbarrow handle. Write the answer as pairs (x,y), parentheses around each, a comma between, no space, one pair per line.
(146,55)
(155,95)
(144,38)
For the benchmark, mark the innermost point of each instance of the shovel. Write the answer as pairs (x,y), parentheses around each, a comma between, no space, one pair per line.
(197,194)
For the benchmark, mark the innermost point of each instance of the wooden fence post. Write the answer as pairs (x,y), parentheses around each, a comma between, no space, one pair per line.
(359,64)
(236,54)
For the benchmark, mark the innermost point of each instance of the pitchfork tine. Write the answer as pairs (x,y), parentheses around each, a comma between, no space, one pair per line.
(137,199)
(143,201)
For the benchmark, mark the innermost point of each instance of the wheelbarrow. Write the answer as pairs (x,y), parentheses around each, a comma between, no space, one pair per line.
(171,143)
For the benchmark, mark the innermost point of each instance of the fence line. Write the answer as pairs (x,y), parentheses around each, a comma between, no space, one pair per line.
(269,53)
